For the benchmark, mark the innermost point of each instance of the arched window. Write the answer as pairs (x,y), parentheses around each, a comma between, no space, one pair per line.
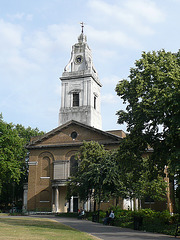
(73,165)
(45,162)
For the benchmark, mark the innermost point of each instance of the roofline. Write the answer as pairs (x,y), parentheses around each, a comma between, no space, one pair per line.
(59,128)
(78,144)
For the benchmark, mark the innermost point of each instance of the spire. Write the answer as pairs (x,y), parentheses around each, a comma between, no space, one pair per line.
(82,26)
(82,38)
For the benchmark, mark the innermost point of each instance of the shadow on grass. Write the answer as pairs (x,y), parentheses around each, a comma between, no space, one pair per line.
(38,223)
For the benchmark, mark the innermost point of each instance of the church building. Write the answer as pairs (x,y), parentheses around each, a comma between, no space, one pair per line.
(51,157)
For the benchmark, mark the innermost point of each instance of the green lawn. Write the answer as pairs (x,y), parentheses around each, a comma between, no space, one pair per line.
(25,228)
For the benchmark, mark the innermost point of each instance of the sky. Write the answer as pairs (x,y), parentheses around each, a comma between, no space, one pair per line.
(36,38)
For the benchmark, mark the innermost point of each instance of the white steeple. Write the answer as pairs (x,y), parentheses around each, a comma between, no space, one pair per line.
(80,87)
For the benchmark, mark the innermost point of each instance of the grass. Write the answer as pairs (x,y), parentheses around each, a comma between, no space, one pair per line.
(20,228)
(3,214)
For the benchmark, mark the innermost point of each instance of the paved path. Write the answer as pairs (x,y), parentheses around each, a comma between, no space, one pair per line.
(109,232)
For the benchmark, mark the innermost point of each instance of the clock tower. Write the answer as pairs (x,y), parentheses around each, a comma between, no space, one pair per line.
(80,87)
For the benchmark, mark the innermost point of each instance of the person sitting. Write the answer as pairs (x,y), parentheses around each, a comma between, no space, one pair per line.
(81,214)
(111,217)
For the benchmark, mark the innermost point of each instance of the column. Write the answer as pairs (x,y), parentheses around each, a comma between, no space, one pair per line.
(88,205)
(66,104)
(85,94)
(62,96)
(53,205)
(71,205)
(56,199)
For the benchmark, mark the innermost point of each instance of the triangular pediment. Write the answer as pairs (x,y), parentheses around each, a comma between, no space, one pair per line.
(73,133)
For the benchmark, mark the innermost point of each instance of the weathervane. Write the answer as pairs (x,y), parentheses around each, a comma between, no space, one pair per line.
(82,26)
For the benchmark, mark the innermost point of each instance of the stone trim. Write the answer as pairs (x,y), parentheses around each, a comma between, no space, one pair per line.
(32,163)
(60,161)
(71,144)
(59,183)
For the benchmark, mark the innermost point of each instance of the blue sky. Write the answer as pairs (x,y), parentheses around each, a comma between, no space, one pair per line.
(35,44)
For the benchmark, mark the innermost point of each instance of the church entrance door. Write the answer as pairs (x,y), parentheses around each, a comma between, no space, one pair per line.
(75,204)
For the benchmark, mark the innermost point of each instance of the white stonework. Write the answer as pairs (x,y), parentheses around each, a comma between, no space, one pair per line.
(80,88)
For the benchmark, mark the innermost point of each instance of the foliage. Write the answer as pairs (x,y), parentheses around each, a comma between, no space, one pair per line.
(129,166)
(104,174)
(150,185)
(153,98)
(13,161)
(97,174)
(152,95)
(152,221)
(11,153)
(138,175)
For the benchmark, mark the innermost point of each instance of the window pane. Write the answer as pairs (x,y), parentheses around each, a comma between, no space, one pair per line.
(73,165)
(94,102)
(75,99)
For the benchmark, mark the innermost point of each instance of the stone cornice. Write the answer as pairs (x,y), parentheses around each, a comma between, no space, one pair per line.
(77,144)
(83,74)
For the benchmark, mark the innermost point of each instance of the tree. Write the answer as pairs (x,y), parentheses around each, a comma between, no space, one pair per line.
(150,185)
(11,153)
(153,107)
(26,134)
(13,160)
(97,174)
(122,173)
(139,176)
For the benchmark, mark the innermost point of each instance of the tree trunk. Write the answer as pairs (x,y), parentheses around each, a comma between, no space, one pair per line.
(171,195)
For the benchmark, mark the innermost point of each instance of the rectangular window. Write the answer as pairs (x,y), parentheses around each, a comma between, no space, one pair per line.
(94,102)
(75,99)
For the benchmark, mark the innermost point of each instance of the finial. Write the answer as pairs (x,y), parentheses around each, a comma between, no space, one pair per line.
(82,26)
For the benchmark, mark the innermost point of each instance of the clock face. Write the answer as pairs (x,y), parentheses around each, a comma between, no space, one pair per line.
(79,59)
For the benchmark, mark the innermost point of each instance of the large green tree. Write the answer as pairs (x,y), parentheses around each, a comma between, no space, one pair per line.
(11,153)
(152,95)
(13,160)
(97,174)
(104,174)
(137,173)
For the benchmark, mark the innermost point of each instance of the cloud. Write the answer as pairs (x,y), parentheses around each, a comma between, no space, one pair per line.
(110,80)
(20,16)
(109,98)
(146,9)
(23,52)
(137,15)
(53,40)
(11,35)
(111,38)
(12,45)
(63,34)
